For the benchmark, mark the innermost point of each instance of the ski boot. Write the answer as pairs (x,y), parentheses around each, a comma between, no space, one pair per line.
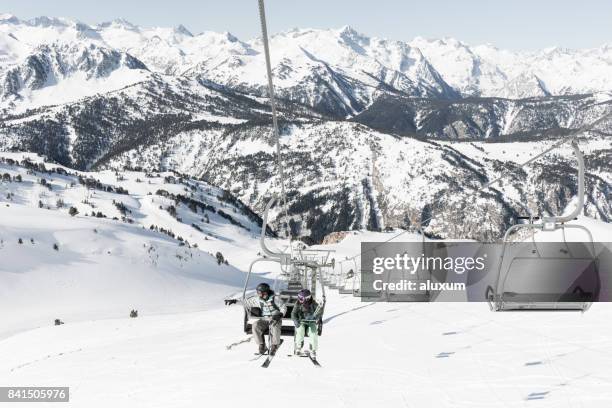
(262,349)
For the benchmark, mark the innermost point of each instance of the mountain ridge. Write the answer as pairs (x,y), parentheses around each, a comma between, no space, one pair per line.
(480,70)
(365,122)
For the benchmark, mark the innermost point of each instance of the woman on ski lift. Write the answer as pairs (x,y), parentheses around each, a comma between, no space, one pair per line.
(272,311)
(306,315)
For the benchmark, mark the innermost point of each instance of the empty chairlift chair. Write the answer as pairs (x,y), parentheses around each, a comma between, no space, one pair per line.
(563,276)
(421,275)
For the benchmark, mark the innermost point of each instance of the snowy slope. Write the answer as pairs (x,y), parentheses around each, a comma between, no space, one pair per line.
(489,71)
(121,251)
(344,176)
(101,269)
(423,355)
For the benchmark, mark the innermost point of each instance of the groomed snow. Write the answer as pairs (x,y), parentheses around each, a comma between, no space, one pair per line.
(422,355)
(174,354)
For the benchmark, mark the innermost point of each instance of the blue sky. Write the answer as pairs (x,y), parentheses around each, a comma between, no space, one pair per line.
(514,24)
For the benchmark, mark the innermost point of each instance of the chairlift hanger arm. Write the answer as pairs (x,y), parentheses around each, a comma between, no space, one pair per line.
(581,175)
(246,281)
(279,256)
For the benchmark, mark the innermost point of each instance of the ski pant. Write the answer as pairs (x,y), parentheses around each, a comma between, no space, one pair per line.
(313,333)
(260,327)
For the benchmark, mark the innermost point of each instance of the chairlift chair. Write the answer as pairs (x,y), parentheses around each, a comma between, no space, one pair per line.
(356,279)
(548,282)
(421,275)
(346,280)
(296,274)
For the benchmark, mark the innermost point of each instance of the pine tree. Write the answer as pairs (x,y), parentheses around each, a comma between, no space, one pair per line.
(220,258)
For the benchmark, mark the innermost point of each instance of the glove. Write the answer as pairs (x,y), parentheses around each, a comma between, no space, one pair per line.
(296,324)
(277,317)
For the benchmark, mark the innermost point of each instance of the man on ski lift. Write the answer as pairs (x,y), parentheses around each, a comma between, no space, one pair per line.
(272,311)
(306,315)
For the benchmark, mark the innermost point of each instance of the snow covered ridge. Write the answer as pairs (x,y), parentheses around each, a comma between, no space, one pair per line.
(421,67)
(192,213)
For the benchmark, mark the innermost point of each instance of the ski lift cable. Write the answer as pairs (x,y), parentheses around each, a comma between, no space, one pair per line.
(570,137)
(528,162)
(309,269)
(279,157)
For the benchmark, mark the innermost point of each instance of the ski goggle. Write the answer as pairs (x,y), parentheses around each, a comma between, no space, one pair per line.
(302,299)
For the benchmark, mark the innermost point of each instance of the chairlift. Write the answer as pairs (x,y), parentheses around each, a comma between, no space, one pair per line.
(323,258)
(297,273)
(356,278)
(421,275)
(566,279)
(345,280)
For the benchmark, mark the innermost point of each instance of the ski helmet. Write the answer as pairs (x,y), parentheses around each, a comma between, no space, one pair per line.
(304,295)
(263,288)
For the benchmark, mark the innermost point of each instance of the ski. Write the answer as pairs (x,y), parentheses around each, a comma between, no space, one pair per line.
(258,356)
(314,361)
(306,355)
(266,363)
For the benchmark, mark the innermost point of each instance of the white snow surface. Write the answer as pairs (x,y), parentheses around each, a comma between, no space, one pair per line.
(423,355)
(107,264)
(174,354)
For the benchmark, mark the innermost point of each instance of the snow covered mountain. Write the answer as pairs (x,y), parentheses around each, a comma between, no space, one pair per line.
(303,58)
(485,70)
(135,164)
(118,96)
(345,176)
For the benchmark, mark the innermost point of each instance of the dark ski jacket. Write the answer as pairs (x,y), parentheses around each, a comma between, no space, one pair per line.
(306,311)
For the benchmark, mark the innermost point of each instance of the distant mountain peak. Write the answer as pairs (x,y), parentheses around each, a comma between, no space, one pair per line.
(430,65)
(44,21)
(119,23)
(8,18)
(348,30)
(230,37)
(183,30)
